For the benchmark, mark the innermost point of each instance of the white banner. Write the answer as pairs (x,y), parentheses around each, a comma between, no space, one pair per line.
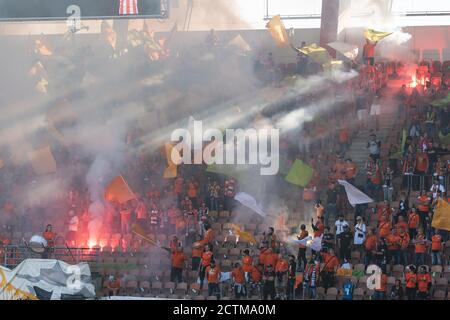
(250,202)
(354,195)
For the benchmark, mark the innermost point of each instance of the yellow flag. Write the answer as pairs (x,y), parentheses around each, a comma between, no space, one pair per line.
(441,217)
(278,31)
(245,236)
(332,65)
(119,191)
(375,36)
(316,52)
(171,170)
(42,161)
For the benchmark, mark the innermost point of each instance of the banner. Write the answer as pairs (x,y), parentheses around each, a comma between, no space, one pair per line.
(119,191)
(376,36)
(441,216)
(300,174)
(317,53)
(350,51)
(48,279)
(354,195)
(250,202)
(42,161)
(278,31)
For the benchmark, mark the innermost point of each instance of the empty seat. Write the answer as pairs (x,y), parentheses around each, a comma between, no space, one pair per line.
(156,287)
(181,288)
(439,295)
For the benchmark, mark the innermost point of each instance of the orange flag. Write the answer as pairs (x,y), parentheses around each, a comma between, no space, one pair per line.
(119,191)
(278,31)
(42,161)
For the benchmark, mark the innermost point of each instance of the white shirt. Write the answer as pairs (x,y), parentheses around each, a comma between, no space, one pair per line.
(437,187)
(340,226)
(360,233)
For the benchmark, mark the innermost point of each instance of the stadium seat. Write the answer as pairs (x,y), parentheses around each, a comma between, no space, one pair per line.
(439,295)
(168,288)
(441,284)
(156,287)
(145,285)
(211,298)
(397,271)
(331,294)
(358,294)
(181,289)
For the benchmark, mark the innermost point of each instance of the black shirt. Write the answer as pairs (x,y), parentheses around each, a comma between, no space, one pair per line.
(346,239)
(269,283)
(332,196)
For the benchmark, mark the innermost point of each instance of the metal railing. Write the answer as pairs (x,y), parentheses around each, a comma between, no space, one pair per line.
(419,182)
(12,255)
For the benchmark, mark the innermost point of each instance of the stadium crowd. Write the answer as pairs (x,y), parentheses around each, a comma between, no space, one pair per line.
(191,217)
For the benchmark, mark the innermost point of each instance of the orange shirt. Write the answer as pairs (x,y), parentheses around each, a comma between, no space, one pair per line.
(423,203)
(404,241)
(369,50)
(401,225)
(197,250)
(331,262)
(411,280)
(371,242)
(384,229)
(392,240)
(178,259)
(420,246)
(422,281)
(436,243)
(206,258)
(255,274)
(213,274)
(49,236)
(421,162)
(413,220)
(344,136)
(272,259)
(350,170)
(238,275)
(282,266)
(247,262)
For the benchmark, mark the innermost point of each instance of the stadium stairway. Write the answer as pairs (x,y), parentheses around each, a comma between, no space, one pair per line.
(358,151)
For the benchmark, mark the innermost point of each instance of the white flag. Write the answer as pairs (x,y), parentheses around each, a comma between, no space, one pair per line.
(250,202)
(310,242)
(348,50)
(354,195)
